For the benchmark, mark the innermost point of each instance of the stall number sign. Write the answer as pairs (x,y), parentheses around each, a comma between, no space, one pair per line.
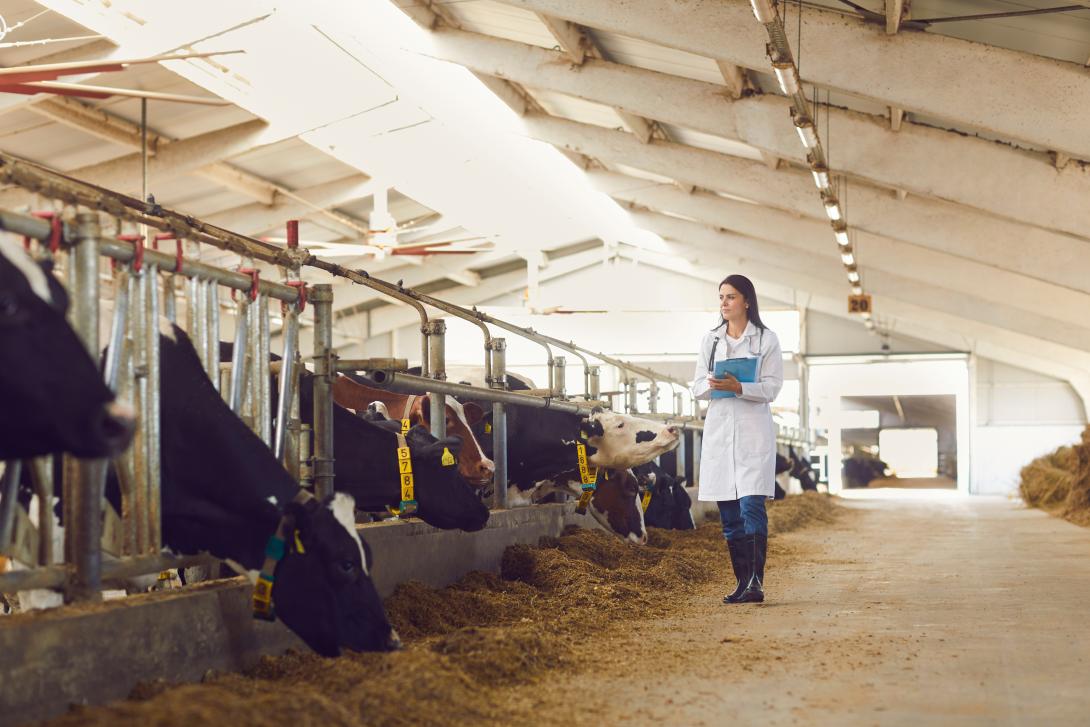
(859,304)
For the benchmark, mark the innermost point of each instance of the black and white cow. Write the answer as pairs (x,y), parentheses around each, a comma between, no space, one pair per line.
(223,492)
(365,464)
(53,393)
(669,506)
(802,471)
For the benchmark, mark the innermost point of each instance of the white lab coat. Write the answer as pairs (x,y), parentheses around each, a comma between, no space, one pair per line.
(738,451)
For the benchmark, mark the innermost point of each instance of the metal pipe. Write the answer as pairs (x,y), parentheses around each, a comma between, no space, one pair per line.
(287,383)
(321,297)
(238,355)
(41,475)
(653,402)
(594,389)
(137,339)
(9,491)
(153,410)
(55,576)
(560,377)
(398,381)
(352,365)
(262,388)
(213,331)
(294,443)
(631,396)
(498,350)
(86,487)
(252,393)
(437,355)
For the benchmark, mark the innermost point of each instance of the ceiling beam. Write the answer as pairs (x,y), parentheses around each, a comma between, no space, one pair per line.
(1013,95)
(894,14)
(929,223)
(256,218)
(919,159)
(181,157)
(569,37)
(104,125)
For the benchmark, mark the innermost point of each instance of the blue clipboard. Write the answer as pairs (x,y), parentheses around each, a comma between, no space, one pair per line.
(743,369)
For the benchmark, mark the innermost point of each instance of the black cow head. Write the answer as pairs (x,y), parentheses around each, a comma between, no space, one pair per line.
(444,497)
(54,397)
(323,589)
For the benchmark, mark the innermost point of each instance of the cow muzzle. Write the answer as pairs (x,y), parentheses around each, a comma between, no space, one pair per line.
(111,429)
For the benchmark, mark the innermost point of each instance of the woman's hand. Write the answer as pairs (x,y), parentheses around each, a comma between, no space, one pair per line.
(727,383)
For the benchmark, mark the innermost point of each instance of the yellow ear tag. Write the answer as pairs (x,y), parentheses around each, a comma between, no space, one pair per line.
(487,428)
(448,458)
(646,500)
(299,544)
(405,426)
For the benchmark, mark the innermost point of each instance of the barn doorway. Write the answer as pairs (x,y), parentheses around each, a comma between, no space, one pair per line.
(911,409)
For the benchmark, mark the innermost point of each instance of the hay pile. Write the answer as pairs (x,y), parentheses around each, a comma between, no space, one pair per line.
(1059,482)
(465,640)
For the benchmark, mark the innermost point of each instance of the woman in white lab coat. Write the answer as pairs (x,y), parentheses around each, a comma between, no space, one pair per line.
(738,455)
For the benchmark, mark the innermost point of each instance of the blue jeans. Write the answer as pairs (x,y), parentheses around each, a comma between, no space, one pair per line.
(745,516)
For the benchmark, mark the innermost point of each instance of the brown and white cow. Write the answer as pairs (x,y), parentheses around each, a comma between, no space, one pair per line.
(473,465)
(616,504)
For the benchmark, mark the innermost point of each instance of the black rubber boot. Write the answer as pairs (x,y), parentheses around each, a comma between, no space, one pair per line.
(754,592)
(739,561)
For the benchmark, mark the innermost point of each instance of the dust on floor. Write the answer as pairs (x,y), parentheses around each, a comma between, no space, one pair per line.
(473,648)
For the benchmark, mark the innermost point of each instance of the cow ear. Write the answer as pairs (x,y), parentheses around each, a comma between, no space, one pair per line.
(473,411)
(425,407)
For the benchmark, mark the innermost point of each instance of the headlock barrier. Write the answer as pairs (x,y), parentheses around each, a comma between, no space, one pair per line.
(156,272)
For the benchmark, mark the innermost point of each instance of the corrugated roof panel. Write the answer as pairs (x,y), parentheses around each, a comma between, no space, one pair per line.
(577,109)
(60,147)
(503,21)
(194,195)
(293,163)
(652,56)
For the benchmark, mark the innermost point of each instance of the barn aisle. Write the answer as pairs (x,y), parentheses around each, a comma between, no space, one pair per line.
(921,607)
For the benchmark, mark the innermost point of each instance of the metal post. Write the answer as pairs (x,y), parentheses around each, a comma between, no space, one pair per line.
(437,355)
(9,490)
(212,330)
(498,353)
(595,386)
(287,382)
(136,340)
(238,355)
(631,394)
(653,404)
(84,490)
(322,298)
(679,470)
(560,377)
(41,474)
(262,390)
(679,403)
(152,408)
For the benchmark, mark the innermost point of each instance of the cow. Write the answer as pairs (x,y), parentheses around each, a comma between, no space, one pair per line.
(365,466)
(669,505)
(801,471)
(615,504)
(54,395)
(858,471)
(365,463)
(473,465)
(223,492)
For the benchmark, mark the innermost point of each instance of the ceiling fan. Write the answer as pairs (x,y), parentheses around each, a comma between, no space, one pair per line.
(42,78)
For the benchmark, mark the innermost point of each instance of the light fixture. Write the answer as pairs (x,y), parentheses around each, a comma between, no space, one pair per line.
(832,208)
(840,232)
(821,176)
(857,289)
(847,256)
(762,9)
(806,131)
(853,276)
(786,75)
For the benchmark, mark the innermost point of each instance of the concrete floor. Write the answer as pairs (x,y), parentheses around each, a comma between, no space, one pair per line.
(917,606)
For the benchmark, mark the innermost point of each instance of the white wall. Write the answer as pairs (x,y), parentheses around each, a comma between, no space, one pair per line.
(1019,415)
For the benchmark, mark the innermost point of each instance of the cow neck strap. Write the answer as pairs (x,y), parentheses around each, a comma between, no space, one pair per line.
(407,413)
(588,477)
(648,492)
(408,504)
(274,553)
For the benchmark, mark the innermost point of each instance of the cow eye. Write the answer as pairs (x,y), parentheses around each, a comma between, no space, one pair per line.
(347,566)
(8,306)
(621,425)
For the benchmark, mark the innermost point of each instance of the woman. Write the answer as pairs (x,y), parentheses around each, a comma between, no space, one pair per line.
(738,459)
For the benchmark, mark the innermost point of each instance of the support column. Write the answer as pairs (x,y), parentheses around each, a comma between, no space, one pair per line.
(437,358)
(322,298)
(498,351)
